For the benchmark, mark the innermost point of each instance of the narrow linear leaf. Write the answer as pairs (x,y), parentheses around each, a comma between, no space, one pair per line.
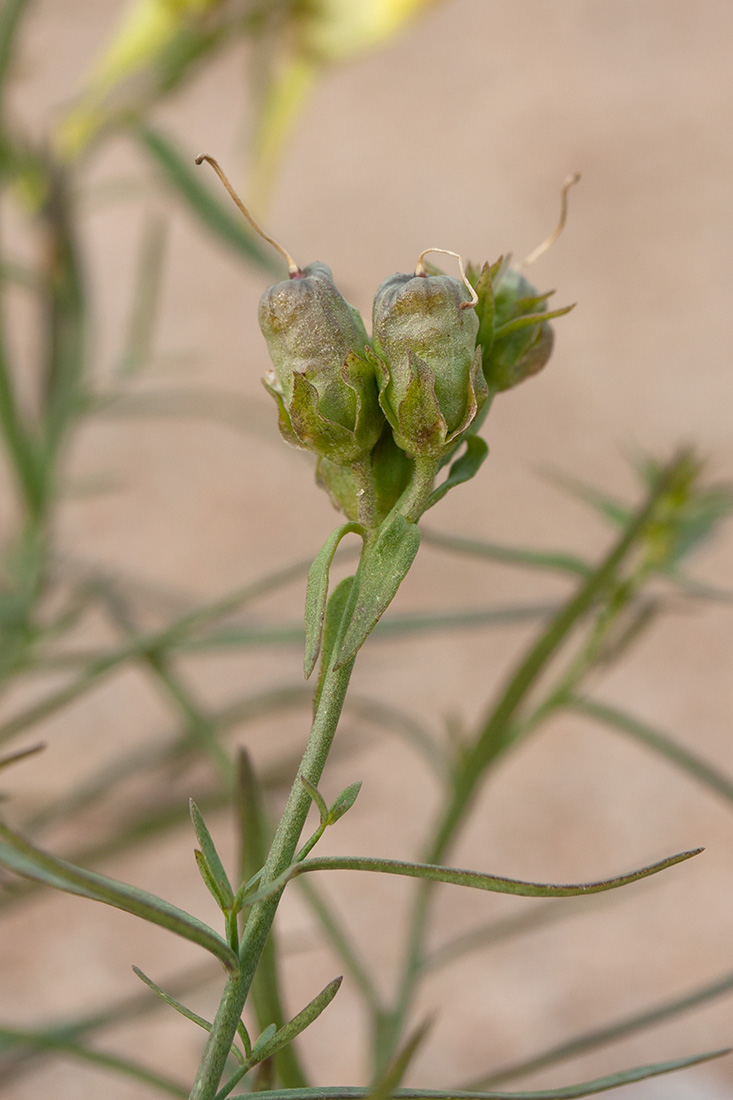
(602,1036)
(273,1040)
(463,469)
(316,595)
(660,742)
(479,881)
(210,212)
(528,319)
(187,1012)
(338,601)
(393,1075)
(22,857)
(21,754)
(66,1047)
(571,1092)
(454,876)
(386,563)
(225,893)
(262,1041)
(554,560)
(317,799)
(344,802)
(612,509)
(299,1022)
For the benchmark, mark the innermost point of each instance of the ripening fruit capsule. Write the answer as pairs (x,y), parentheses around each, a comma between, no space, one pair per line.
(431,385)
(325,387)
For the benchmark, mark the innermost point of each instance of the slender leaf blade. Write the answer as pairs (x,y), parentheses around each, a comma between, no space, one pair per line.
(480,881)
(463,469)
(209,211)
(316,596)
(387,560)
(18,855)
(571,1092)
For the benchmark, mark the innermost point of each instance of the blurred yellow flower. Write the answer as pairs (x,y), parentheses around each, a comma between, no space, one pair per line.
(321,32)
(147,28)
(335,29)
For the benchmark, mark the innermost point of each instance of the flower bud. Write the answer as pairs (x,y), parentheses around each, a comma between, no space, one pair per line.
(431,384)
(324,385)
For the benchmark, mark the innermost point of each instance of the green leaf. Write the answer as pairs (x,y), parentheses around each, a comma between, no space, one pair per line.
(592,1040)
(210,212)
(22,857)
(64,1046)
(316,596)
(526,320)
(660,742)
(299,1022)
(571,1092)
(222,891)
(480,881)
(21,754)
(187,1012)
(455,876)
(555,560)
(317,799)
(463,469)
(385,563)
(262,1041)
(387,1082)
(344,802)
(273,1040)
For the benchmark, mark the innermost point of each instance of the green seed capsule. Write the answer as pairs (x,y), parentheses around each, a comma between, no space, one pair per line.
(431,384)
(324,385)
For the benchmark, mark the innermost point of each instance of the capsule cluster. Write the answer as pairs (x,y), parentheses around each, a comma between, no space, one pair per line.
(416,389)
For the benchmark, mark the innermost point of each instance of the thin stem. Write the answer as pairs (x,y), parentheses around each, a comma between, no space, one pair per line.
(257,929)
(365,496)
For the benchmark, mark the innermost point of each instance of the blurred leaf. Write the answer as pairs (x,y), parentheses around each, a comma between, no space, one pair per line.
(602,1036)
(18,855)
(184,179)
(143,314)
(388,1081)
(64,1046)
(660,742)
(512,555)
(21,754)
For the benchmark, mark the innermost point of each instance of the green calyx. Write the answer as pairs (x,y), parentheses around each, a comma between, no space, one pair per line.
(514,330)
(324,385)
(427,362)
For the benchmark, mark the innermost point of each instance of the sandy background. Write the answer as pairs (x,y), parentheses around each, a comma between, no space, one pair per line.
(457,135)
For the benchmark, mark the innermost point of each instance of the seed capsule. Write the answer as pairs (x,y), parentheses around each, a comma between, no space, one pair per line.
(324,385)
(431,384)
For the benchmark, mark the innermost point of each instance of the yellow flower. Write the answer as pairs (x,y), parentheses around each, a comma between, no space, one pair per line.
(335,29)
(147,28)
(321,32)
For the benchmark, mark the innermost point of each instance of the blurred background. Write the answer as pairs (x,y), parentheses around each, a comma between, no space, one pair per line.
(455,133)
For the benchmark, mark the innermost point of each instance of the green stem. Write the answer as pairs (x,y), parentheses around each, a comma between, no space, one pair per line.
(282,851)
(412,502)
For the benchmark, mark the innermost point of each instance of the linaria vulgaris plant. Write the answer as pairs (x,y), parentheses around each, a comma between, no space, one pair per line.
(392,420)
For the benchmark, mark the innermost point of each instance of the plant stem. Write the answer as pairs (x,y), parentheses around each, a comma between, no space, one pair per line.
(284,845)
